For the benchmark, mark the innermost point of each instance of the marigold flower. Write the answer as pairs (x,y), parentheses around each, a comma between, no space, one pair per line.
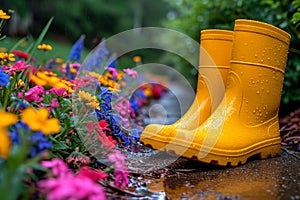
(38,120)
(7,119)
(137,59)
(4,15)
(45,47)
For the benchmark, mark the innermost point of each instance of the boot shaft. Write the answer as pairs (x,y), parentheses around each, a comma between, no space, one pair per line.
(259,58)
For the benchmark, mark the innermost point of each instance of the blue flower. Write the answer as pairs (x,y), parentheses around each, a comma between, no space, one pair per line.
(136,133)
(4,78)
(37,140)
(77,48)
(95,60)
(39,143)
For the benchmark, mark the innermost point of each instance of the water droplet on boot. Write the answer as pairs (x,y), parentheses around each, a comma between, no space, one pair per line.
(257,92)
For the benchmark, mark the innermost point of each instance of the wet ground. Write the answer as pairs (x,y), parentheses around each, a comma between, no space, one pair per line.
(166,177)
(275,178)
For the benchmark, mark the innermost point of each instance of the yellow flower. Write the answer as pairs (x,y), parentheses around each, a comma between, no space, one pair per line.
(50,79)
(6,57)
(137,59)
(3,15)
(59,60)
(94,75)
(113,89)
(20,83)
(6,120)
(120,76)
(45,47)
(38,120)
(90,101)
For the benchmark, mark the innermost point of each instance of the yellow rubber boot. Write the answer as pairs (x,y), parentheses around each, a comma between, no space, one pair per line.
(215,55)
(245,123)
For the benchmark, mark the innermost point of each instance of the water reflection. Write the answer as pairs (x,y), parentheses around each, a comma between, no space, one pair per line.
(276,178)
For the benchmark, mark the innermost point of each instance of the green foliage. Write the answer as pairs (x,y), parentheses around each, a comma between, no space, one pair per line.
(296,15)
(191,17)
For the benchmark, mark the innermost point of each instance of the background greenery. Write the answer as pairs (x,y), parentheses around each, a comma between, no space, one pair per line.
(104,18)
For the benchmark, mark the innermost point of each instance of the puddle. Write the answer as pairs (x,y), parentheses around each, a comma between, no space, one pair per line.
(276,178)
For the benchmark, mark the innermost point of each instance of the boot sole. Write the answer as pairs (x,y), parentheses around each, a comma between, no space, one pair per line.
(263,150)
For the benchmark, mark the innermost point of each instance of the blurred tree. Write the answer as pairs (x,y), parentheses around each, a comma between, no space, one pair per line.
(191,17)
(95,18)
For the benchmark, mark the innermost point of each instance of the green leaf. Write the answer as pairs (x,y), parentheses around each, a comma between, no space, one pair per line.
(40,38)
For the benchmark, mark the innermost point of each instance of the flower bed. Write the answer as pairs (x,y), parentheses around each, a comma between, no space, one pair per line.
(58,118)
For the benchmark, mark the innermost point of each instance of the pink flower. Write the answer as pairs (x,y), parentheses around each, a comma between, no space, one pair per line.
(121,172)
(57,166)
(131,72)
(19,66)
(103,125)
(94,175)
(58,92)
(54,103)
(90,126)
(33,94)
(78,158)
(68,186)
(71,187)
(113,71)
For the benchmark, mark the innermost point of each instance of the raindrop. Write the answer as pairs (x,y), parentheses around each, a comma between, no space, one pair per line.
(257,92)
(255,55)
(254,111)
(268,58)
(262,88)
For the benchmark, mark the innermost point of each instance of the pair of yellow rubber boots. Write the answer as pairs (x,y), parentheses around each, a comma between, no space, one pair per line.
(235,113)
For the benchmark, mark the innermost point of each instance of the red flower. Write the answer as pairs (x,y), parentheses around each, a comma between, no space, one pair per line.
(107,141)
(103,125)
(94,175)
(20,54)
